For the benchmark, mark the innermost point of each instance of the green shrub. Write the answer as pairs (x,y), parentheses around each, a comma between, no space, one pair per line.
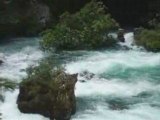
(150,39)
(86,29)
(42,75)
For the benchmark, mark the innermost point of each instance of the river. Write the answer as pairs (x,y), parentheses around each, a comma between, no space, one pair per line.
(125,84)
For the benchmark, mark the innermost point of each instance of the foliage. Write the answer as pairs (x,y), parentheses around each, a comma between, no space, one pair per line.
(150,39)
(7,85)
(86,29)
(42,75)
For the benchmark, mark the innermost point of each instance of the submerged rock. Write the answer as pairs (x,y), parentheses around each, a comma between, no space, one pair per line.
(120,35)
(117,105)
(54,99)
(87,75)
(1,62)
(1,58)
(82,81)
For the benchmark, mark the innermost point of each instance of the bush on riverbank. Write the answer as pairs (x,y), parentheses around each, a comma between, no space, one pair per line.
(49,92)
(150,39)
(86,29)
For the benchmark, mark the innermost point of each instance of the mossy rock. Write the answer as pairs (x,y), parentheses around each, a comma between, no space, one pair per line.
(48,92)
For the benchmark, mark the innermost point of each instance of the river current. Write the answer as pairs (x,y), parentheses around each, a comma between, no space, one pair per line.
(124,84)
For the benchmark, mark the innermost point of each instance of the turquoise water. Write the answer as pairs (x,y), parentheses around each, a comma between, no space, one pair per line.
(125,84)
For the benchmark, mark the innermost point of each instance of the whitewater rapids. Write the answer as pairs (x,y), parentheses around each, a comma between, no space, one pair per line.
(129,79)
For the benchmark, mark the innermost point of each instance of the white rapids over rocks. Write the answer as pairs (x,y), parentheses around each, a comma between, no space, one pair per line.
(17,56)
(130,76)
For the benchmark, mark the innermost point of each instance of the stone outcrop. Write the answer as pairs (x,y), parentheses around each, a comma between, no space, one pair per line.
(20,17)
(54,99)
(120,35)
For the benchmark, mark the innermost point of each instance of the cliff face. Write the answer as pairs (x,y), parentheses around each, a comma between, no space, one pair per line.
(21,17)
(28,17)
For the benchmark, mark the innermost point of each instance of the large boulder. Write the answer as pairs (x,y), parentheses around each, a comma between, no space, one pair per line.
(54,99)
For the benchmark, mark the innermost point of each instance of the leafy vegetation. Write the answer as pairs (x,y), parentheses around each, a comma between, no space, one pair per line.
(86,29)
(7,85)
(43,78)
(150,39)
(44,71)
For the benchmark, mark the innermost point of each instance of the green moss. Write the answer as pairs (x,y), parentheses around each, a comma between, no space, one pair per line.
(150,39)
(86,29)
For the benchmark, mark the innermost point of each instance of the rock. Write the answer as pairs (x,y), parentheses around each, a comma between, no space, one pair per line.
(87,75)
(42,13)
(1,58)
(54,99)
(33,17)
(118,104)
(144,94)
(1,62)
(22,70)
(120,35)
(82,81)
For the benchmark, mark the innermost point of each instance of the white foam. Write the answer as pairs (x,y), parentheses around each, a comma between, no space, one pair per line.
(94,62)
(103,62)
(13,68)
(129,42)
(103,113)
(100,62)
(103,87)
(10,111)
(15,63)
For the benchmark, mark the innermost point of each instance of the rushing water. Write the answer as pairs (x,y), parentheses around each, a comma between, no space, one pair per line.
(125,84)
